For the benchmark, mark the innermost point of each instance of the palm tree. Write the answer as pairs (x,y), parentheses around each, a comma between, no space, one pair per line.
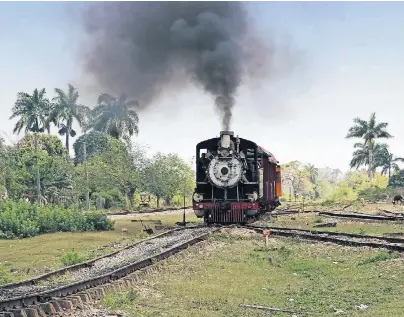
(67,109)
(33,111)
(115,116)
(387,161)
(361,156)
(369,131)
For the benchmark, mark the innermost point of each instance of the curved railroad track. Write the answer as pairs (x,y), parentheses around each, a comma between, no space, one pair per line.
(101,270)
(349,239)
(146,211)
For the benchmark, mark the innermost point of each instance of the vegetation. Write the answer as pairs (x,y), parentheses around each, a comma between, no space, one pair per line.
(106,163)
(22,220)
(300,181)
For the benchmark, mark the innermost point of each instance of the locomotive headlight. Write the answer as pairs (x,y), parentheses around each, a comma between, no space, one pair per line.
(197,197)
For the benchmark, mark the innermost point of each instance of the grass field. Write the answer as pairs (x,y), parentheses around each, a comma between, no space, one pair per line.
(24,258)
(229,270)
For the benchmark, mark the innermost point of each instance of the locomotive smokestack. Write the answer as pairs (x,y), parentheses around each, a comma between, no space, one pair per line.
(225,138)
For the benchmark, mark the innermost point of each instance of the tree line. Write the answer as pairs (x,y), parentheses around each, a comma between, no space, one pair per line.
(305,180)
(106,164)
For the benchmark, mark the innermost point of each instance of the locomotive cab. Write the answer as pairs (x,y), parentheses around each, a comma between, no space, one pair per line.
(236,180)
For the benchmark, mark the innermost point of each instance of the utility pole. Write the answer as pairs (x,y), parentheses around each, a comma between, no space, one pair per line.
(185,186)
(183,216)
(38,180)
(86,172)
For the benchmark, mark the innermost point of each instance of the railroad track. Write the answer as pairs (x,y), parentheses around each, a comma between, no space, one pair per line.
(33,293)
(349,239)
(360,216)
(157,210)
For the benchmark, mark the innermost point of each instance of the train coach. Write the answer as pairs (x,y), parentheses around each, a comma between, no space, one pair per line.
(236,180)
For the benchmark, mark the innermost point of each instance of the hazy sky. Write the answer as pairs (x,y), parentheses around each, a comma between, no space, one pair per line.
(350,64)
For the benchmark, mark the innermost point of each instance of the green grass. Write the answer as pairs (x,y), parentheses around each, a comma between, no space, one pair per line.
(214,279)
(24,258)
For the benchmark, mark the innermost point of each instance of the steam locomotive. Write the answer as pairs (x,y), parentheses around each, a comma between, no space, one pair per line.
(236,180)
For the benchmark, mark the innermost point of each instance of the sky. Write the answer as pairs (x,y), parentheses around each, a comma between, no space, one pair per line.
(350,63)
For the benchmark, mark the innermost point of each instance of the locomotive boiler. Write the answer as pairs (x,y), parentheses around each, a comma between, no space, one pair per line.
(236,180)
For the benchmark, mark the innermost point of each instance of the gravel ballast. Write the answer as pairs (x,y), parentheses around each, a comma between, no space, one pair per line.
(102,266)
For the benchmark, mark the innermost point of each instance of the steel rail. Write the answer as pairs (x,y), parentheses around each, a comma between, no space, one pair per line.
(59,272)
(360,216)
(394,244)
(69,289)
(156,210)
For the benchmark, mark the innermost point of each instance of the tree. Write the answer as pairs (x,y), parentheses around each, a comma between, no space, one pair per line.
(96,143)
(296,178)
(361,156)
(167,175)
(387,161)
(33,111)
(115,116)
(369,131)
(313,177)
(109,170)
(313,173)
(397,180)
(54,165)
(67,109)
(47,142)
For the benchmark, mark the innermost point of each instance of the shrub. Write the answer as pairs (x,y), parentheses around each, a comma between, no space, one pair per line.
(4,276)
(72,257)
(374,194)
(22,219)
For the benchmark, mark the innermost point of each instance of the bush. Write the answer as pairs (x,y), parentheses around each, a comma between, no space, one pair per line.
(4,276)
(374,194)
(22,220)
(72,257)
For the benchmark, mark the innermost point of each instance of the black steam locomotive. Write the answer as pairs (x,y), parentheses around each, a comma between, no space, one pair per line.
(236,180)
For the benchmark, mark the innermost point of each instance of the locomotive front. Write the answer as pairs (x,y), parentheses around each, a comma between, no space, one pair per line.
(230,180)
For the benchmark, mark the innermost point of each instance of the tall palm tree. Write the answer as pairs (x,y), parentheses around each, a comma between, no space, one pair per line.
(369,131)
(361,156)
(66,109)
(33,111)
(116,116)
(387,161)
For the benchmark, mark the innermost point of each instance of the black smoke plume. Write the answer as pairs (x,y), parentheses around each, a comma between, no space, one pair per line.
(147,48)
